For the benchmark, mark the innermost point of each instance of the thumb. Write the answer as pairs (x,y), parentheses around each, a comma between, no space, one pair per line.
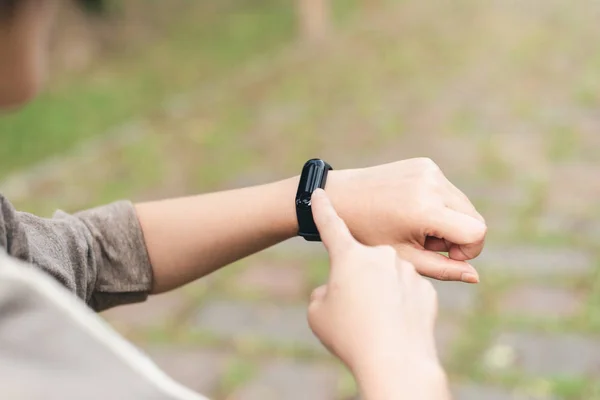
(334,233)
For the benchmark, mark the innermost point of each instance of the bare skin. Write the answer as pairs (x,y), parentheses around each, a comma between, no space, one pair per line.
(377,314)
(409,206)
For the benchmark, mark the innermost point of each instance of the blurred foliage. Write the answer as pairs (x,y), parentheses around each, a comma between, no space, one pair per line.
(94,6)
(203,41)
(197,47)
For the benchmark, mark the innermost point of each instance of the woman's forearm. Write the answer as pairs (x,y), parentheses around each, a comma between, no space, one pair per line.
(190,237)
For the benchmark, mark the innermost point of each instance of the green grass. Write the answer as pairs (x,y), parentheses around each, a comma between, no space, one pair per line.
(238,372)
(194,51)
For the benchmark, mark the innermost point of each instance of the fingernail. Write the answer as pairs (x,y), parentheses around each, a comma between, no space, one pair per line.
(468,277)
(318,192)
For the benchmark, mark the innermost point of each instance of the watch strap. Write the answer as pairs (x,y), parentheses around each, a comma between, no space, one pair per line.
(314,175)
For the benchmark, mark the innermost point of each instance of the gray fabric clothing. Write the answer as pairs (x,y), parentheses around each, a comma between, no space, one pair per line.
(53,347)
(99,254)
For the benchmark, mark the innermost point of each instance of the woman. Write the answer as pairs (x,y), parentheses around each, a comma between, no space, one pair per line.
(121,253)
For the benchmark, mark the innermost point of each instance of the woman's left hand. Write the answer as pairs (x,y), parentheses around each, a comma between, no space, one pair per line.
(411,206)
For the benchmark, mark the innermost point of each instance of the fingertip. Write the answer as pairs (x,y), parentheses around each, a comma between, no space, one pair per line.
(442,268)
(469,277)
(465,252)
(460,253)
(332,229)
(470,274)
(319,195)
(319,192)
(456,253)
(319,198)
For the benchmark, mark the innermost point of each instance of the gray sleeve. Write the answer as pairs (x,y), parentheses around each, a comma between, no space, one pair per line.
(99,254)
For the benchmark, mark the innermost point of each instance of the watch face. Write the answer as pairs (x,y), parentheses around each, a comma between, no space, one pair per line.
(312,176)
(304,200)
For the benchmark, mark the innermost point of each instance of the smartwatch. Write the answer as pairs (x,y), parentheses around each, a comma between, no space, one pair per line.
(314,176)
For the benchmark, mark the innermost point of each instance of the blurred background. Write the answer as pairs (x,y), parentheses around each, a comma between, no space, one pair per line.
(149,99)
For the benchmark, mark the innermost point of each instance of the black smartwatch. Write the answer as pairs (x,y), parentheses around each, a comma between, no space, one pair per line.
(314,176)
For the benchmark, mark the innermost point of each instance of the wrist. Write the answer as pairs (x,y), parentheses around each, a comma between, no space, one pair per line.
(287,220)
(283,210)
(410,376)
(343,196)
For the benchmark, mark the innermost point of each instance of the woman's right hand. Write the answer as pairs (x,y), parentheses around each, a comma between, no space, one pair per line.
(376,313)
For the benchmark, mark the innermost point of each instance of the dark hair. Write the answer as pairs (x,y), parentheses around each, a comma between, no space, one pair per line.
(7,7)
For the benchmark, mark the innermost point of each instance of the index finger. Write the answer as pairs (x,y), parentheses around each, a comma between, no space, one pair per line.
(334,232)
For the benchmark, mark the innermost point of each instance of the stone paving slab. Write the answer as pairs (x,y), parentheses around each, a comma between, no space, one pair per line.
(199,369)
(299,248)
(284,324)
(479,392)
(155,311)
(273,279)
(541,302)
(281,380)
(494,195)
(455,297)
(550,355)
(563,224)
(535,261)
(574,187)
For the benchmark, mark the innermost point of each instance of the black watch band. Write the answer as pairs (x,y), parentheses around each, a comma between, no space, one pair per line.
(314,176)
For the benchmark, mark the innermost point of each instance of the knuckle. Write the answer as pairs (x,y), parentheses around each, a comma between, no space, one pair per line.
(427,169)
(443,274)
(432,168)
(428,214)
(463,197)
(426,163)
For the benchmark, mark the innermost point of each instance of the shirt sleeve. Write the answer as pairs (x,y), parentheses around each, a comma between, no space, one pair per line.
(99,254)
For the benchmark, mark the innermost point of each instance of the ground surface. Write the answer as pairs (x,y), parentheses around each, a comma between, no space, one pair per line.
(505,96)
